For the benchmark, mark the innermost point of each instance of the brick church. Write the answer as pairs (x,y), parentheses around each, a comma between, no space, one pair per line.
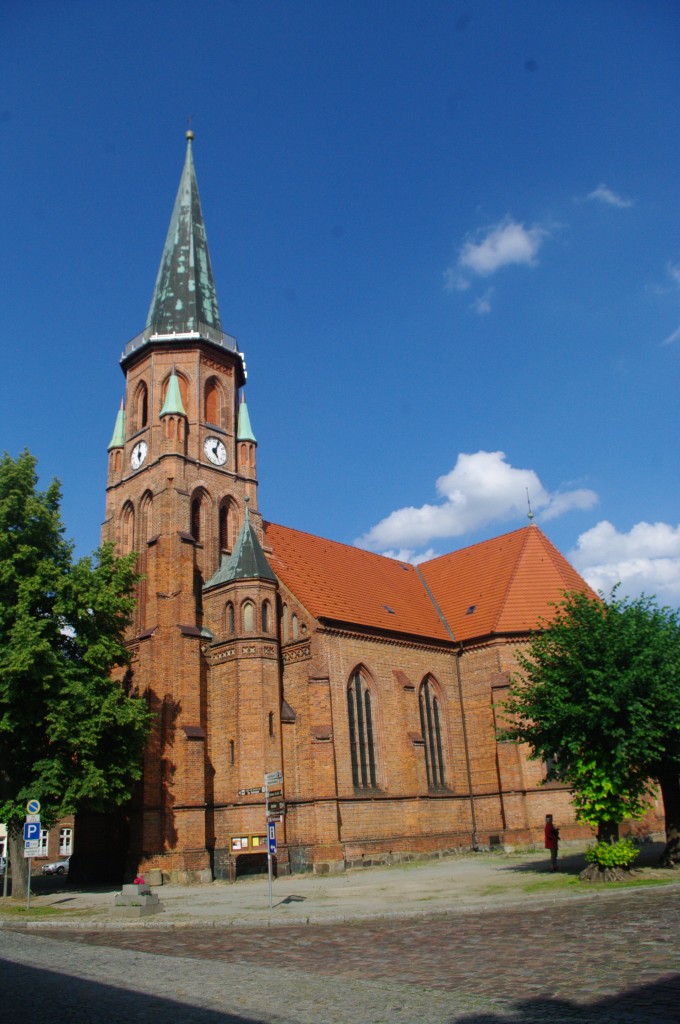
(373,685)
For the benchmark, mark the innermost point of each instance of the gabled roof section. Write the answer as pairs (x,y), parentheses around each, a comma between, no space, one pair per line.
(345,584)
(184,297)
(503,585)
(246,562)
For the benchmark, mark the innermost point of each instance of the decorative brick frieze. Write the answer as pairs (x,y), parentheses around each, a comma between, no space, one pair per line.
(302,652)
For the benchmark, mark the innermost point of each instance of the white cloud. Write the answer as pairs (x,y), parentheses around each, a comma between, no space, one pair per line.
(481,488)
(501,245)
(603,194)
(482,304)
(674,272)
(645,560)
(672,337)
(409,555)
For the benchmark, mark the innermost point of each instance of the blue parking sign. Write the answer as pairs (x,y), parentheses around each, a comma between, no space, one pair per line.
(31,831)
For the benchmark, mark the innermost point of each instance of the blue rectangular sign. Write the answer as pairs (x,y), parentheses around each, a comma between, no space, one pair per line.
(31,831)
(271,834)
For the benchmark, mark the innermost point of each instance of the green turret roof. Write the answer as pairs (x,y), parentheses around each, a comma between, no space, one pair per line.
(246,562)
(245,431)
(184,298)
(173,404)
(118,439)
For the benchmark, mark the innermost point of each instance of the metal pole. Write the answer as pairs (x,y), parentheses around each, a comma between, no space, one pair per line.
(269,868)
(28,887)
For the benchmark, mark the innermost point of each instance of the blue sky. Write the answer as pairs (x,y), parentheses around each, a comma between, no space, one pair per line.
(446,236)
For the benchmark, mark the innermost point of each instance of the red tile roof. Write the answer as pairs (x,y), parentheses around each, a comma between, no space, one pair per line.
(503,585)
(345,584)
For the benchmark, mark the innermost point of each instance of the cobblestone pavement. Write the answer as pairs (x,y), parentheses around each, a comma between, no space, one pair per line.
(593,960)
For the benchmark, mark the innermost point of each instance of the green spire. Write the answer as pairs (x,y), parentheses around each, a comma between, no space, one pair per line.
(246,562)
(118,439)
(245,431)
(173,405)
(184,297)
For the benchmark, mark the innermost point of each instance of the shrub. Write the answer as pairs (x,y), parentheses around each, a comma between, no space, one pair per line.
(620,854)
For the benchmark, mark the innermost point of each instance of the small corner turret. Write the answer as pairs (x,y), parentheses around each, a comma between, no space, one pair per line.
(246,445)
(117,445)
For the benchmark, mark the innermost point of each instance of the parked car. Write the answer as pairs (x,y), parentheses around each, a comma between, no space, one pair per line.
(2,865)
(57,867)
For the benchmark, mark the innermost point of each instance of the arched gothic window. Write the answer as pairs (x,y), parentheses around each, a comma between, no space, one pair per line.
(213,403)
(295,627)
(430,723)
(248,613)
(265,616)
(362,750)
(140,417)
(224,528)
(284,622)
(196,519)
(230,622)
(127,538)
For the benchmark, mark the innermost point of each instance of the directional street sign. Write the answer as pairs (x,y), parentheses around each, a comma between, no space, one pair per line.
(271,778)
(32,832)
(274,793)
(275,808)
(251,792)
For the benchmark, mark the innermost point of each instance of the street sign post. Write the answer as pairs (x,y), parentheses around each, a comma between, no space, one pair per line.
(32,832)
(31,840)
(271,850)
(252,791)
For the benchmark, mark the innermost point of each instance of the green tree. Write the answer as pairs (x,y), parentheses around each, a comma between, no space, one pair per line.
(598,697)
(70,735)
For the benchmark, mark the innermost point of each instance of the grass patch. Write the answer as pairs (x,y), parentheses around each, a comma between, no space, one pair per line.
(15,910)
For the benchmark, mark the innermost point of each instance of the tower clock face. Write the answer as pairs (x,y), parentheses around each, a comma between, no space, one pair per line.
(215,450)
(138,454)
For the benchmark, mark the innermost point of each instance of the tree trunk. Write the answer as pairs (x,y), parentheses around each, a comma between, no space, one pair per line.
(607,831)
(18,863)
(670,791)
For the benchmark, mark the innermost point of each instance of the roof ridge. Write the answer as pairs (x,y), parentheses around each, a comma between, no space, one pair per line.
(339,543)
(479,543)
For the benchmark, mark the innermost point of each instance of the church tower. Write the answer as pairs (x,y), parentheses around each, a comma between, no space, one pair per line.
(181,476)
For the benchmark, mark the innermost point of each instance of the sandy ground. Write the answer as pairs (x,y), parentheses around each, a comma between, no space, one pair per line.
(471,881)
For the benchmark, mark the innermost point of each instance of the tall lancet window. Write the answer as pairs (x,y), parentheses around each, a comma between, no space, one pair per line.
(430,723)
(362,748)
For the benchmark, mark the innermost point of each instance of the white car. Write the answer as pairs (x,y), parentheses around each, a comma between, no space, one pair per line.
(57,867)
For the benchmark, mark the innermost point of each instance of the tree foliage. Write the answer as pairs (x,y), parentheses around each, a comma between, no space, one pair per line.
(599,697)
(70,735)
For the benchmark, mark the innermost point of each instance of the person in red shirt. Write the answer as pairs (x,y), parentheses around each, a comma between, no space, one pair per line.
(552,839)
